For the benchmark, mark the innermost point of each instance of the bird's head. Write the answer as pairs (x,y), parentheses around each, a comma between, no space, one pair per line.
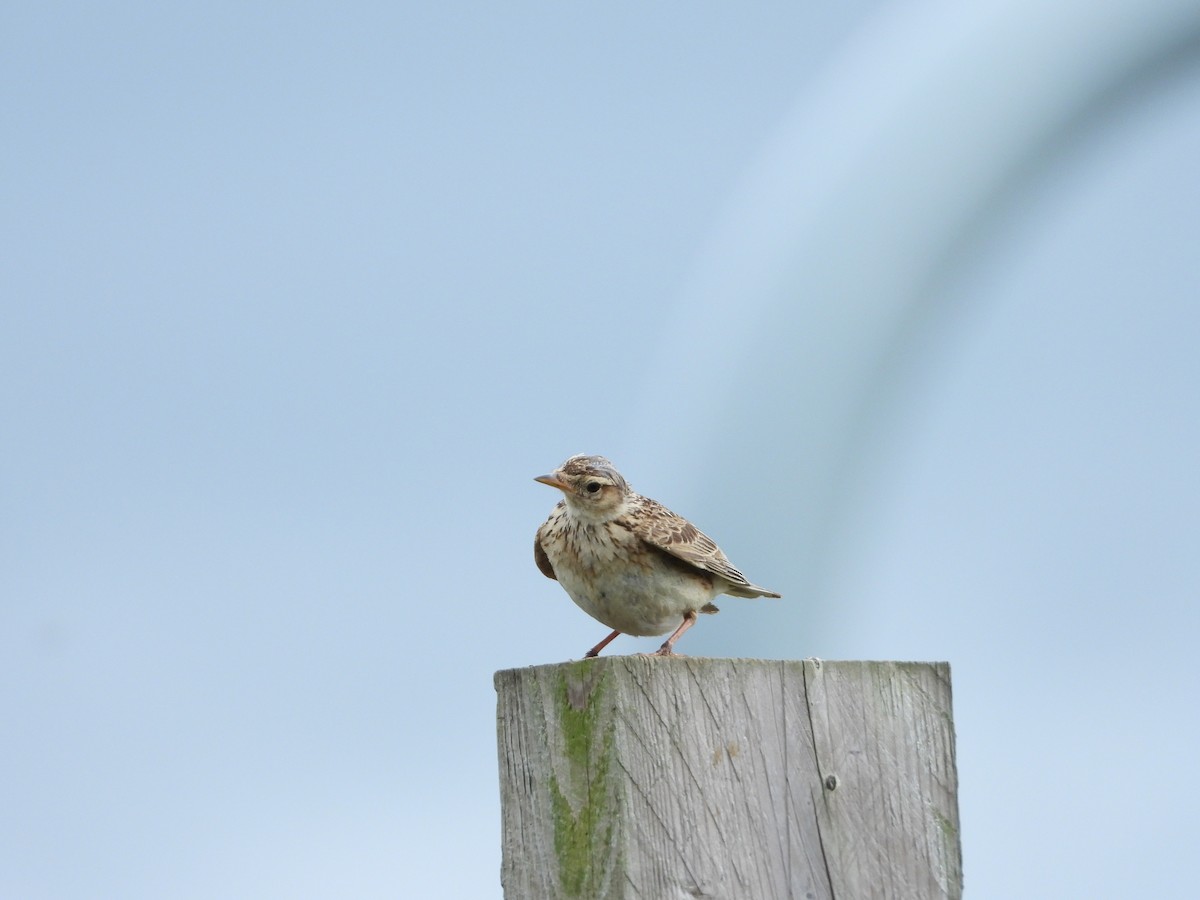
(592,487)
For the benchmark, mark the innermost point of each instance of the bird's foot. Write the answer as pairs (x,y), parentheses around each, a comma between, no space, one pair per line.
(665,650)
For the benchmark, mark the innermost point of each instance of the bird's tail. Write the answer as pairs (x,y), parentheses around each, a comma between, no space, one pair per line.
(751,591)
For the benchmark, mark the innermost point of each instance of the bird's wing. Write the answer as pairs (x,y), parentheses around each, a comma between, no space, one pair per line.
(671,533)
(540,557)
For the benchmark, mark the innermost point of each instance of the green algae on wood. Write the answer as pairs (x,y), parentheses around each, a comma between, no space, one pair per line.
(584,811)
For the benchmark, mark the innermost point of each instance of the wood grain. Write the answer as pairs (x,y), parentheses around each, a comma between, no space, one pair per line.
(644,777)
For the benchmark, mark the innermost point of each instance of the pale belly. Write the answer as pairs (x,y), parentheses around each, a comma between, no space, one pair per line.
(634,606)
(640,600)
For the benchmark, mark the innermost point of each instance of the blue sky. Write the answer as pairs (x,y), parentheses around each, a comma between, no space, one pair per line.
(298,299)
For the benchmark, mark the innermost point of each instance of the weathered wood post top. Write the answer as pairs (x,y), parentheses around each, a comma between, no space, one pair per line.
(685,777)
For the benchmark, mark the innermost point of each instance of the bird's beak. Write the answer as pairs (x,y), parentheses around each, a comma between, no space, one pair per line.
(553,480)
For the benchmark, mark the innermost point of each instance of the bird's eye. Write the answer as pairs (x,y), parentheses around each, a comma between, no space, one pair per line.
(593,486)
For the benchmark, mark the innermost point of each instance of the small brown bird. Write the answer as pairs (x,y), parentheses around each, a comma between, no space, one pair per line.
(627,560)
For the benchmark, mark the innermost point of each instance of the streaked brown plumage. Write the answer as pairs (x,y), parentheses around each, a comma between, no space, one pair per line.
(627,560)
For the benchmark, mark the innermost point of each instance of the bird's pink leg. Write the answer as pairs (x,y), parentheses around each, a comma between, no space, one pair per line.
(595,651)
(689,619)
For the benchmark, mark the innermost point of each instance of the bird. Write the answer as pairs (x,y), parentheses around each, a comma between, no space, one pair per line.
(627,560)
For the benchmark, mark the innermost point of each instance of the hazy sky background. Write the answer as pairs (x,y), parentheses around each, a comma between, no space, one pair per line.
(296,300)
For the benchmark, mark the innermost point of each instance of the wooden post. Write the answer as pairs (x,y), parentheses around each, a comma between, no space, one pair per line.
(639,777)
